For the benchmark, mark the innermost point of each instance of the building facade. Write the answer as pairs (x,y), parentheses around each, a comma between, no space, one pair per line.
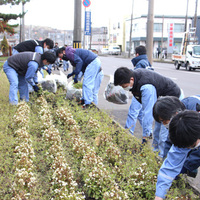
(161,32)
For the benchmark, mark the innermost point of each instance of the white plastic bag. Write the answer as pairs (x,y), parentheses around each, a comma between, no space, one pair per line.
(115,94)
(61,80)
(49,84)
(73,92)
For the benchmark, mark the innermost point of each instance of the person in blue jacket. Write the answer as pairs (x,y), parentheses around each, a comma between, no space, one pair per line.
(146,86)
(88,64)
(184,133)
(135,110)
(167,107)
(20,70)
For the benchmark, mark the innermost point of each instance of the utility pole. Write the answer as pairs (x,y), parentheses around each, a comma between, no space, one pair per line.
(23,28)
(150,19)
(186,16)
(195,15)
(162,35)
(130,38)
(77,24)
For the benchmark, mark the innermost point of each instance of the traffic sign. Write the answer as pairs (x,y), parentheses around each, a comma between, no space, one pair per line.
(86,3)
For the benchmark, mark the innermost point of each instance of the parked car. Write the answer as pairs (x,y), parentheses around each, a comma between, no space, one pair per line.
(114,50)
(104,51)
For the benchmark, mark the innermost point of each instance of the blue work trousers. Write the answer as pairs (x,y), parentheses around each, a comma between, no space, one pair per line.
(134,113)
(65,65)
(17,82)
(91,82)
(142,111)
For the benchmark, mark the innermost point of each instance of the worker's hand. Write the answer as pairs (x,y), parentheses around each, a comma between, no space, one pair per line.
(36,88)
(49,71)
(69,75)
(158,198)
(36,83)
(75,80)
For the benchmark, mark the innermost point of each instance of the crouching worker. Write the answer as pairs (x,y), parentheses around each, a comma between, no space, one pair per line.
(88,64)
(146,86)
(20,70)
(184,133)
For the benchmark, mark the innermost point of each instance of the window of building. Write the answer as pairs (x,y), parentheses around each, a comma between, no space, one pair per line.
(178,28)
(157,27)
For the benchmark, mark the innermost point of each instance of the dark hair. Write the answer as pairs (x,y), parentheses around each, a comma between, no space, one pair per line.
(49,56)
(166,107)
(60,50)
(141,50)
(49,42)
(122,75)
(184,129)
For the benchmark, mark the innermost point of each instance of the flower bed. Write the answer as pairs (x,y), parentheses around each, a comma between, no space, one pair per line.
(53,149)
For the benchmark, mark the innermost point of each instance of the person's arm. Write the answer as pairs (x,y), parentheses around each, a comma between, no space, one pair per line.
(32,68)
(148,98)
(170,168)
(39,49)
(79,63)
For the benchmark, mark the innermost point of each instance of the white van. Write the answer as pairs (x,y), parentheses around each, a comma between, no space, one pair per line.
(114,50)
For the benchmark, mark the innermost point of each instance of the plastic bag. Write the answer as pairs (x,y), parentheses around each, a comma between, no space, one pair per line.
(61,80)
(72,92)
(49,84)
(116,94)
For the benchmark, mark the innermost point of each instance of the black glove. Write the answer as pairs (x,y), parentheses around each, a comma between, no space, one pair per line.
(75,80)
(49,71)
(69,75)
(36,83)
(36,88)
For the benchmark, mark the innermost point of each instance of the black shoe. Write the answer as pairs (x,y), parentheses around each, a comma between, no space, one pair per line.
(86,106)
(193,173)
(81,102)
(144,141)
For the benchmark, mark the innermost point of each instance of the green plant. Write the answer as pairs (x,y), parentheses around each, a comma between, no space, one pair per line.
(4,45)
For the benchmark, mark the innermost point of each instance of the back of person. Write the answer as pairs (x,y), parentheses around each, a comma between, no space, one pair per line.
(86,56)
(28,45)
(164,86)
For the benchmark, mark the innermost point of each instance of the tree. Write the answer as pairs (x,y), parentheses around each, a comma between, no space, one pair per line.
(4,26)
(4,45)
(13,2)
(4,18)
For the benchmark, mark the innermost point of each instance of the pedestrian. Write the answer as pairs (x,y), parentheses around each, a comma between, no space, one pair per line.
(56,47)
(88,64)
(20,70)
(167,107)
(146,86)
(158,52)
(135,110)
(184,133)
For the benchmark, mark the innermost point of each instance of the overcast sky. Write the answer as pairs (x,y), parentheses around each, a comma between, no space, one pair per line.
(60,13)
